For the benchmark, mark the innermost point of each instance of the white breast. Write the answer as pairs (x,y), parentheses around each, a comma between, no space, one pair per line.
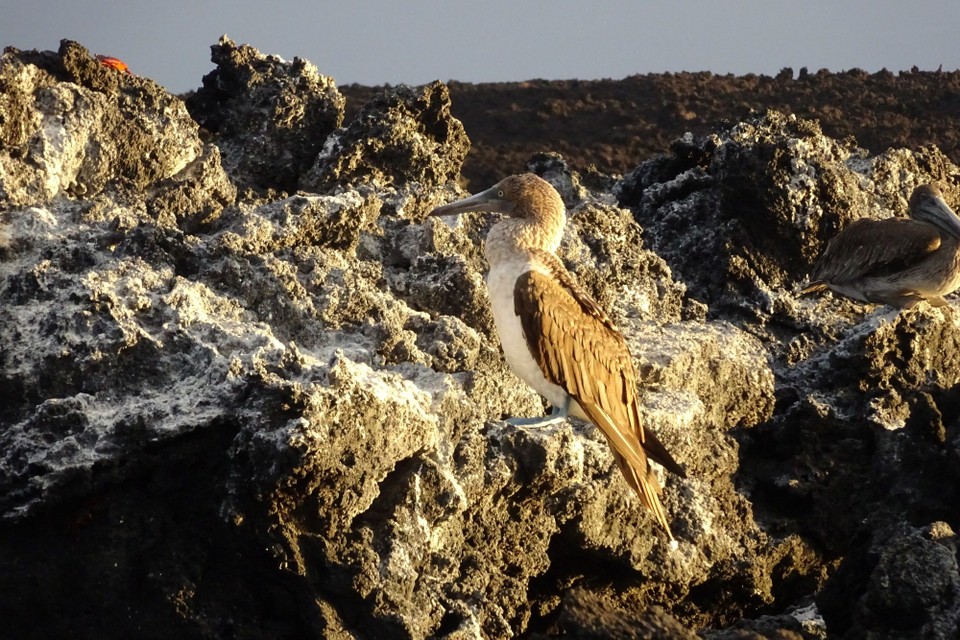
(501,282)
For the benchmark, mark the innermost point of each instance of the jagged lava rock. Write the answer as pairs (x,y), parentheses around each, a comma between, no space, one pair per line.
(270,118)
(405,134)
(865,430)
(281,418)
(69,126)
(352,415)
(863,436)
(586,616)
(742,214)
(902,583)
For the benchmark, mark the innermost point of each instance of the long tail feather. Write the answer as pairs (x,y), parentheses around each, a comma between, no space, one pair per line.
(647,489)
(633,464)
(659,453)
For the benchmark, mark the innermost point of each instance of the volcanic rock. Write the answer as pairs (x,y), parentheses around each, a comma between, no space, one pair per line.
(403,135)
(270,118)
(74,128)
(280,414)
(611,126)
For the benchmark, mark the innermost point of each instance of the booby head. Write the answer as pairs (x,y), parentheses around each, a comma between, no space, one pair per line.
(523,195)
(927,205)
(534,206)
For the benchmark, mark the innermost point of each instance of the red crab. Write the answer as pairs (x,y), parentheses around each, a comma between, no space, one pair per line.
(114,63)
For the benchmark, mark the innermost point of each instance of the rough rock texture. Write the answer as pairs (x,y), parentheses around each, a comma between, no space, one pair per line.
(269,117)
(743,214)
(902,583)
(863,436)
(279,415)
(403,135)
(585,616)
(72,127)
(613,125)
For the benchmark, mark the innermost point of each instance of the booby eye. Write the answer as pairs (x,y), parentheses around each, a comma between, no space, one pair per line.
(500,193)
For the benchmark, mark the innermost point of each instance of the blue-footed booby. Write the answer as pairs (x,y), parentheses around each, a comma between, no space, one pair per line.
(896,261)
(555,337)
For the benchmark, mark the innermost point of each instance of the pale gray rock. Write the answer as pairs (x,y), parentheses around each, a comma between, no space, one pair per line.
(71,127)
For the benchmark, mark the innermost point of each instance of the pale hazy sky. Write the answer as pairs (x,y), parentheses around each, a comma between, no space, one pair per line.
(392,41)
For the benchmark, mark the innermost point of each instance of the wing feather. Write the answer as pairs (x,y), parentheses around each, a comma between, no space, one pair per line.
(648,489)
(870,248)
(578,347)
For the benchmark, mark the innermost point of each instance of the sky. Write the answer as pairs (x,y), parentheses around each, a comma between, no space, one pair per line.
(376,42)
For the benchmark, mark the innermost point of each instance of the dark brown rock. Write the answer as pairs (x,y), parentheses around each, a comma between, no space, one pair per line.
(404,135)
(586,616)
(269,117)
(902,583)
(614,125)
(741,214)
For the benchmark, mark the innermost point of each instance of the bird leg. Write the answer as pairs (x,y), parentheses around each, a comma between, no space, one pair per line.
(557,414)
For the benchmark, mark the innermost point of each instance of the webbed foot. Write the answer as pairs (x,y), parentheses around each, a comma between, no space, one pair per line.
(557,414)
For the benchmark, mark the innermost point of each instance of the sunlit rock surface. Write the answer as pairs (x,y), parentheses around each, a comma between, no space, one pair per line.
(235,409)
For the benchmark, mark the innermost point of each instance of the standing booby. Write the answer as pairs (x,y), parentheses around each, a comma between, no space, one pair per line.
(555,337)
(896,261)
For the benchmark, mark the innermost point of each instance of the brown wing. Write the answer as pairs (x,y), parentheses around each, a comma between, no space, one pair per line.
(577,347)
(874,248)
(604,331)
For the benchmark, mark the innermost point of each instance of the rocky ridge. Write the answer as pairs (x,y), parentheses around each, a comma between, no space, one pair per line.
(252,391)
(611,125)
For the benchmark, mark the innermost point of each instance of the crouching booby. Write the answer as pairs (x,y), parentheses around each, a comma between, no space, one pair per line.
(555,337)
(896,261)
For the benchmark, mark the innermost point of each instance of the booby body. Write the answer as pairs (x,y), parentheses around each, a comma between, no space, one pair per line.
(896,261)
(554,335)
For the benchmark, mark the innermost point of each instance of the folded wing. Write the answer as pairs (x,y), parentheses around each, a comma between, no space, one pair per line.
(578,348)
(874,248)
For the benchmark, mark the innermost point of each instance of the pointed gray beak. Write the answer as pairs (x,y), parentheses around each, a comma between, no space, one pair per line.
(943,216)
(490,200)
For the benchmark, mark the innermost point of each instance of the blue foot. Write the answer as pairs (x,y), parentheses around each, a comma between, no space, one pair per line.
(557,414)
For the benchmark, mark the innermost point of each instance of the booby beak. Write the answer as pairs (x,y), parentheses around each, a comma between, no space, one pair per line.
(938,212)
(491,201)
